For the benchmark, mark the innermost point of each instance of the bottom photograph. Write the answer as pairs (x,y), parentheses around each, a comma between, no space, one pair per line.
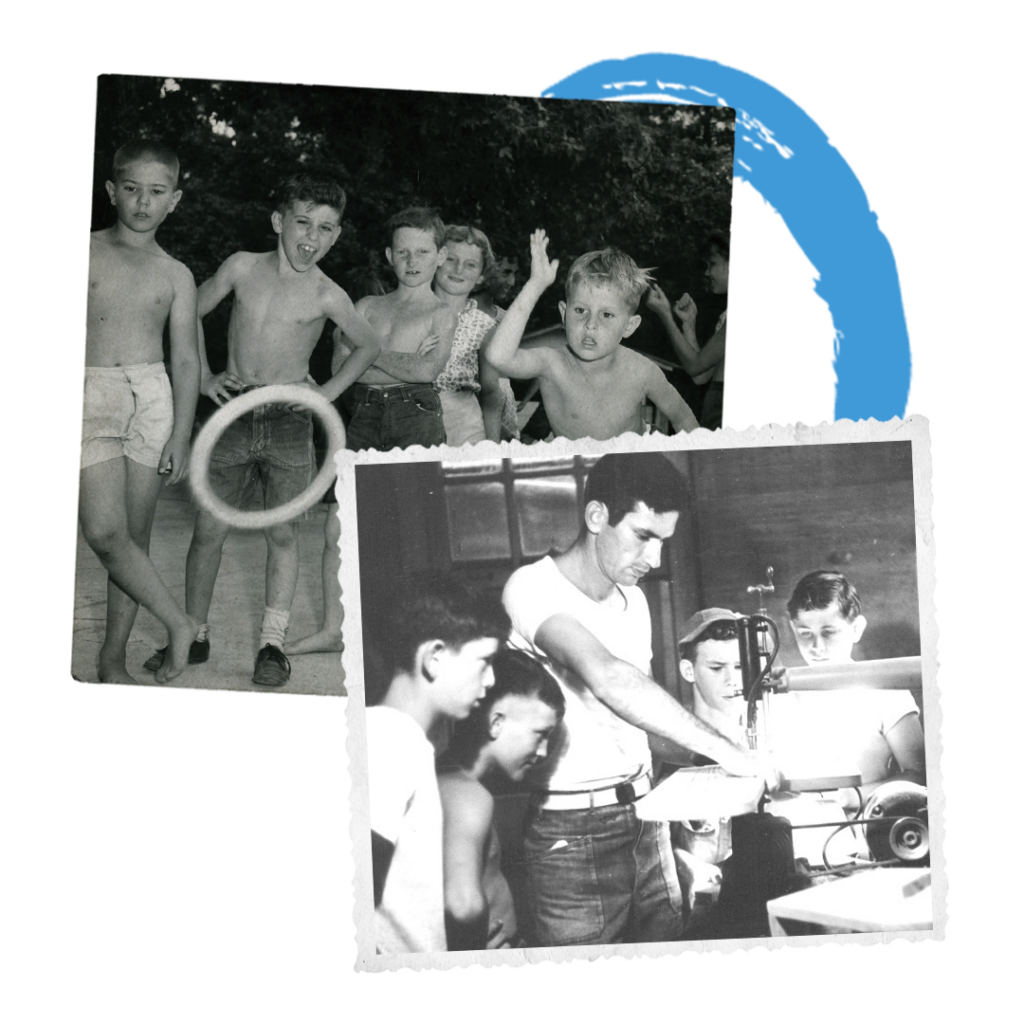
(677,694)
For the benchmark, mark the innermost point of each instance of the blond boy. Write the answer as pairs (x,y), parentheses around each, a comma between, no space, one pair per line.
(281,303)
(136,431)
(591,386)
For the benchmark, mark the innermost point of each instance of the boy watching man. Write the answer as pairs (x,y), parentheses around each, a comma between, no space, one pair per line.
(136,430)
(591,386)
(442,641)
(504,737)
(281,302)
(395,403)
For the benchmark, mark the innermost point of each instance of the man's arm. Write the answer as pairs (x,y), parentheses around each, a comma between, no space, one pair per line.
(185,370)
(468,814)
(221,387)
(361,339)
(696,361)
(638,699)
(503,351)
(668,400)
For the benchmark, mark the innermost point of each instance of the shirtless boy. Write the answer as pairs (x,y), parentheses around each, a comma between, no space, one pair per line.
(281,302)
(591,386)
(134,430)
(395,403)
(506,734)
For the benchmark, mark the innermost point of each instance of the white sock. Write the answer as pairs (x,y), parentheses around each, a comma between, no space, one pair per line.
(275,625)
(204,632)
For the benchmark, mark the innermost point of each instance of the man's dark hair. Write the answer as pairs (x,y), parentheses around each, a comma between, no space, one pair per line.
(516,673)
(439,608)
(307,189)
(821,588)
(621,481)
(721,629)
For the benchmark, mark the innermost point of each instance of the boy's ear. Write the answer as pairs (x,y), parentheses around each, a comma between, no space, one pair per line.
(631,325)
(442,254)
(428,658)
(686,670)
(494,724)
(111,191)
(175,199)
(859,625)
(561,312)
(278,221)
(595,516)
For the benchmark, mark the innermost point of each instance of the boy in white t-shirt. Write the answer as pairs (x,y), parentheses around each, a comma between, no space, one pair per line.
(441,641)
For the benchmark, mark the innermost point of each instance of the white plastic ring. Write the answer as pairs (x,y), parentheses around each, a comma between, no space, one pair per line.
(272,394)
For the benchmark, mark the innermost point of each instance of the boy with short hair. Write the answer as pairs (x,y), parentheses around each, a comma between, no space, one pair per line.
(135,429)
(504,737)
(591,386)
(395,403)
(281,302)
(441,641)
(826,619)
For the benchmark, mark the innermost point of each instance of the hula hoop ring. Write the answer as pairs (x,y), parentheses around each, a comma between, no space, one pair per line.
(272,394)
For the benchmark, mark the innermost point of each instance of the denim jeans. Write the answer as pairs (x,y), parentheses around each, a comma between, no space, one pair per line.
(272,447)
(601,876)
(395,417)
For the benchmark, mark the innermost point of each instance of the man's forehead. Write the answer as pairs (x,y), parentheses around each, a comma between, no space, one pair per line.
(642,516)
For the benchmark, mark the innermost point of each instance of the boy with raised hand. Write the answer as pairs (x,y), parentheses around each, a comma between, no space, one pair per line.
(591,386)
(395,403)
(504,737)
(441,641)
(136,430)
(281,302)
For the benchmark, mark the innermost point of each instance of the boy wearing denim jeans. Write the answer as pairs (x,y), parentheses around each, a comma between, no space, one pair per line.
(281,302)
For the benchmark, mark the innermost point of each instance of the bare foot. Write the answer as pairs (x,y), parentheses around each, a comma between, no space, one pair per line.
(322,641)
(111,668)
(176,660)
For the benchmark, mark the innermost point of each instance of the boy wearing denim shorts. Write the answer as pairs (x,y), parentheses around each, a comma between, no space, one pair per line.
(281,303)
(395,403)
(136,431)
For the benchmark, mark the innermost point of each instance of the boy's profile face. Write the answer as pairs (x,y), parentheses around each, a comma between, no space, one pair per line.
(715,674)
(520,729)
(462,675)
(414,255)
(144,194)
(629,550)
(305,233)
(717,273)
(825,634)
(596,318)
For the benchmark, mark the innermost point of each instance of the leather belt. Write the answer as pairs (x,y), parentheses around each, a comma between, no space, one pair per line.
(622,794)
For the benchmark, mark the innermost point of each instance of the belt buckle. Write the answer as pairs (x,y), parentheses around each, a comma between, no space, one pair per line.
(625,793)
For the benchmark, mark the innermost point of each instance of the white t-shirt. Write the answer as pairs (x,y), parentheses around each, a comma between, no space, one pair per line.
(595,747)
(405,809)
(835,728)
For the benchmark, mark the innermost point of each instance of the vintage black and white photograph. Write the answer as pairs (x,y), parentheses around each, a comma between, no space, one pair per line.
(400,269)
(677,691)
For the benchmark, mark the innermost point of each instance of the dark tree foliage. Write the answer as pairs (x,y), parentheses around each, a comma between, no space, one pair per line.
(650,179)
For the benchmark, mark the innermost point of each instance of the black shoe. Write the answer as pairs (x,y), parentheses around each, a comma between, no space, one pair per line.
(272,667)
(197,654)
